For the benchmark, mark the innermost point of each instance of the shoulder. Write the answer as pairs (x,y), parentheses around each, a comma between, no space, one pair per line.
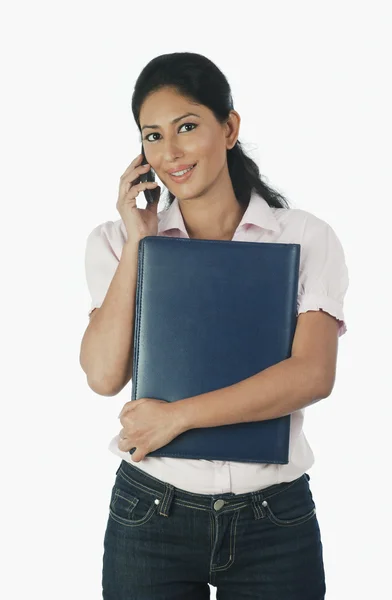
(107,236)
(299,221)
(305,228)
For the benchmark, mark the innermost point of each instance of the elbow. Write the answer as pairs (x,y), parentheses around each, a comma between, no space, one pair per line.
(102,388)
(319,381)
(324,385)
(106,388)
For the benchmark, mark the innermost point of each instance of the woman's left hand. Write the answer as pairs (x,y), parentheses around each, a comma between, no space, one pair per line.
(148,424)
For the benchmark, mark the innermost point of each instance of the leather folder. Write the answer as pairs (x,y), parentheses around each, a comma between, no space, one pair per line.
(209,314)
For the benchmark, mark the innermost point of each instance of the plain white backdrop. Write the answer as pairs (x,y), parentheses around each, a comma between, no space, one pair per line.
(311,81)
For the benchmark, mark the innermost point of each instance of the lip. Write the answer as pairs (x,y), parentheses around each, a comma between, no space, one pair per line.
(180,168)
(184,177)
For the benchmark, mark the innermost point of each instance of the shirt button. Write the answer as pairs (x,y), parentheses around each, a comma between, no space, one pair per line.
(218,504)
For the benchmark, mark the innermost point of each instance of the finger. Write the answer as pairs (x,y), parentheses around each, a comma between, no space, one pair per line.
(130,178)
(123,412)
(143,185)
(124,444)
(130,195)
(136,162)
(138,455)
(126,406)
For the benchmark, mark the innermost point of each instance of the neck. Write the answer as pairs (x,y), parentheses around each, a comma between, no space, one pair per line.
(214,215)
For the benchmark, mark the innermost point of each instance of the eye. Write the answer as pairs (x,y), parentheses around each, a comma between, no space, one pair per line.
(184,125)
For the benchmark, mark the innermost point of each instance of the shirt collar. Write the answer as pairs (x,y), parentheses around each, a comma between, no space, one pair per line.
(258,214)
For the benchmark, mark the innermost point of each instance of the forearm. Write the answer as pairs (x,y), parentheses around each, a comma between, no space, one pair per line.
(106,353)
(276,391)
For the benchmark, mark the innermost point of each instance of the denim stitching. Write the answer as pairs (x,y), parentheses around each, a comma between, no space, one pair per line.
(132,503)
(289,522)
(232,546)
(127,523)
(260,496)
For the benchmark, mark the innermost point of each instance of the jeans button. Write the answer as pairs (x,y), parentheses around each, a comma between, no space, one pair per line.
(218,504)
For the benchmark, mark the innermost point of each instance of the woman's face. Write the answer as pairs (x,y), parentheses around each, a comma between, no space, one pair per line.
(199,140)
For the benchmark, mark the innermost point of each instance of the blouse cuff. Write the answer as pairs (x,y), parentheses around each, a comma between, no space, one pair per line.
(307,302)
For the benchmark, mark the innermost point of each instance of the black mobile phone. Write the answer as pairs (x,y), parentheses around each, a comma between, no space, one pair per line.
(150,195)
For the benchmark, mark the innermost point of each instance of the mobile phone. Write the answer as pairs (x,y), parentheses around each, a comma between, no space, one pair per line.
(150,195)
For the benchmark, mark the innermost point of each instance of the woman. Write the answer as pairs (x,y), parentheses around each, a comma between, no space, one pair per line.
(177,525)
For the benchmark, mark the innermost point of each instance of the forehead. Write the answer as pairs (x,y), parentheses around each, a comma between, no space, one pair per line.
(165,105)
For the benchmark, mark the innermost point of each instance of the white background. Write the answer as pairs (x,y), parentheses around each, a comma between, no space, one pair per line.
(311,81)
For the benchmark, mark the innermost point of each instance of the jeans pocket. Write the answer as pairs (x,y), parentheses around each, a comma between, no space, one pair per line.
(129,509)
(291,507)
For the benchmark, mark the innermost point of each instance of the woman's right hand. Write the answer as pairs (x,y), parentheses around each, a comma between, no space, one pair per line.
(139,222)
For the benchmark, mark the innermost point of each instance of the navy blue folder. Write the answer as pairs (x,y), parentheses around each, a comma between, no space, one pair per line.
(209,314)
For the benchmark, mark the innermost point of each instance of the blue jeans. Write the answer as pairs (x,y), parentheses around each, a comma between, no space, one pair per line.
(164,543)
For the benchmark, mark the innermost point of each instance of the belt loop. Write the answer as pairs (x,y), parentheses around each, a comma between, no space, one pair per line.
(166,500)
(258,510)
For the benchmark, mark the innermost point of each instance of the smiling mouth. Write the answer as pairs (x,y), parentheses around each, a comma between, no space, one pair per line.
(187,171)
(184,177)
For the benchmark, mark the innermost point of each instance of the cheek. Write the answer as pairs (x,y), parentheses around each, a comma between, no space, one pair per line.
(207,145)
(211,151)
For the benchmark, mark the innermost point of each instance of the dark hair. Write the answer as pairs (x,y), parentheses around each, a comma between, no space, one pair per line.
(199,79)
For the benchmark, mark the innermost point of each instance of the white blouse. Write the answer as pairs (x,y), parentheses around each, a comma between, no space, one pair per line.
(323,283)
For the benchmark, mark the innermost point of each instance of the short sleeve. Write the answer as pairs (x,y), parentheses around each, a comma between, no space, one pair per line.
(323,280)
(101,262)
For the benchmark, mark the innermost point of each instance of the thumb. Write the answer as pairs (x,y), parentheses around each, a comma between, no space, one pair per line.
(137,456)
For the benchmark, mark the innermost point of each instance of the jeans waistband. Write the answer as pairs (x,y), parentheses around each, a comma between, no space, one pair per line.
(166,492)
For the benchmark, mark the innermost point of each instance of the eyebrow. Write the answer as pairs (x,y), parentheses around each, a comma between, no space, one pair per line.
(172,122)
